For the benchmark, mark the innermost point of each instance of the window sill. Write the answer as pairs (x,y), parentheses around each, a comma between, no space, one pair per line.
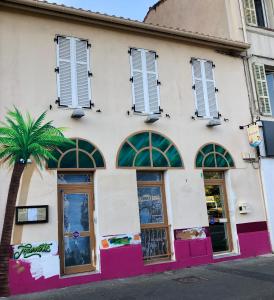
(225,255)
(159,262)
(96,272)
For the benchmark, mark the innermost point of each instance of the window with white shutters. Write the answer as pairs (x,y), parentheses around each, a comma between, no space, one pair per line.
(250,12)
(73,73)
(262,89)
(204,88)
(145,84)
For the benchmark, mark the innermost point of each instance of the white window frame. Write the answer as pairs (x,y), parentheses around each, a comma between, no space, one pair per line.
(73,40)
(202,61)
(145,81)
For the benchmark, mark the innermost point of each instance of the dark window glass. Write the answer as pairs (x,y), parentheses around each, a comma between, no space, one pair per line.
(149,176)
(259,13)
(270,84)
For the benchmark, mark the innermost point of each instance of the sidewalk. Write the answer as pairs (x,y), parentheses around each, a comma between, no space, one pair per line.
(242,279)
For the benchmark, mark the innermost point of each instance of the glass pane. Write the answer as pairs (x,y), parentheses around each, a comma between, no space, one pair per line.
(270,84)
(88,147)
(259,13)
(126,156)
(174,157)
(140,140)
(230,160)
(160,142)
(217,217)
(143,159)
(220,149)
(213,175)
(209,161)
(77,251)
(84,160)
(158,159)
(73,178)
(208,148)
(69,160)
(149,176)
(99,161)
(221,162)
(150,205)
(76,216)
(154,242)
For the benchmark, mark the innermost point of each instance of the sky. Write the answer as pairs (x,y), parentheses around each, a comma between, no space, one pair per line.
(133,9)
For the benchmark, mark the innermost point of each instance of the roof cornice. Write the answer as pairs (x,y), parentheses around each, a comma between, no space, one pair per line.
(64,12)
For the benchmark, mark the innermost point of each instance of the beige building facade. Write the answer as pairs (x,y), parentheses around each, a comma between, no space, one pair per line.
(157,178)
(252,22)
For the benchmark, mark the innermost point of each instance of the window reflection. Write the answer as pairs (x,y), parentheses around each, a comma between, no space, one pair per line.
(77,251)
(73,178)
(150,205)
(76,213)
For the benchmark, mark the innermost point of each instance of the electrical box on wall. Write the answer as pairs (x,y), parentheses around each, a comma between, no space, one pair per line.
(243,208)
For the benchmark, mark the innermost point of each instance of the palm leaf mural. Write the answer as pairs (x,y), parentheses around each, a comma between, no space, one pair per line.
(23,139)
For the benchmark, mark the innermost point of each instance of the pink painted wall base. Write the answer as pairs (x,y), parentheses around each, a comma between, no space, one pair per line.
(127,261)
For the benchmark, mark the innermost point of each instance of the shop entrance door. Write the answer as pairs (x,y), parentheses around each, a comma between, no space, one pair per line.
(218,213)
(76,230)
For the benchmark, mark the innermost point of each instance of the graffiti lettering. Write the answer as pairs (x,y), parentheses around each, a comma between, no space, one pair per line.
(27,250)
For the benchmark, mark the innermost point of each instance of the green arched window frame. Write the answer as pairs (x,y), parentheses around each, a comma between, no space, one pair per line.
(83,155)
(214,156)
(148,149)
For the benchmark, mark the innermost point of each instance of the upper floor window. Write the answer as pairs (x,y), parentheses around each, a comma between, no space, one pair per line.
(204,88)
(145,84)
(264,79)
(255,12)
(73,72)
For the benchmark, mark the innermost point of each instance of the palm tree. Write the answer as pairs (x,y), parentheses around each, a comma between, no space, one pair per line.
(22,139)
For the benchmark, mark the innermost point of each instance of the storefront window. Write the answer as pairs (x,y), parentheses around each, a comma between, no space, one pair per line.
(76,207)
(153,216)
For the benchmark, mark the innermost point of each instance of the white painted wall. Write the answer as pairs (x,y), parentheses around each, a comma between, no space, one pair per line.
(267,174)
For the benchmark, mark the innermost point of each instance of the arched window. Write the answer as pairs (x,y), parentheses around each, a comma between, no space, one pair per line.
(82,155)
(214,156)
(148,149)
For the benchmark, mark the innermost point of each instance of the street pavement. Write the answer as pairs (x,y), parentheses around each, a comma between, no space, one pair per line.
(239,279)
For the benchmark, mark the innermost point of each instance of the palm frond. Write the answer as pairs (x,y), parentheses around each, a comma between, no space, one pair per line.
(23,137)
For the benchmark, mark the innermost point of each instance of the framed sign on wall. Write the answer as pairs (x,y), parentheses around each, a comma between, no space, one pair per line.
(31,214)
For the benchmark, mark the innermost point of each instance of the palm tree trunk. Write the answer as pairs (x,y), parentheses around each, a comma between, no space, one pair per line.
(7,228)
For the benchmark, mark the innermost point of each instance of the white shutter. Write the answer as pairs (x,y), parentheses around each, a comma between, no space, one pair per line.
(64,64)
(82,75)
(73,80)
(152,82)
(198,87)
(144,75)
(262,89)
(137,80)
(210,88)
(250,12)
(204,88)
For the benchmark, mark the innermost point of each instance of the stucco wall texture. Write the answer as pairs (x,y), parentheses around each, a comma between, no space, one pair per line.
(220,18)
(28,81)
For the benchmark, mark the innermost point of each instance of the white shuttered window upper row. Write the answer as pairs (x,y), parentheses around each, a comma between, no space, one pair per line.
(74,79)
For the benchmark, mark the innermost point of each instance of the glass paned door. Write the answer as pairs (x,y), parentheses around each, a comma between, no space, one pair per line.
(153,216)
(217,211)
(76,229)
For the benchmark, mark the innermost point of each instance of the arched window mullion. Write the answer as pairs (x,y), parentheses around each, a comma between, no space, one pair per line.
(163,153)
(62,156)
(137,153)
